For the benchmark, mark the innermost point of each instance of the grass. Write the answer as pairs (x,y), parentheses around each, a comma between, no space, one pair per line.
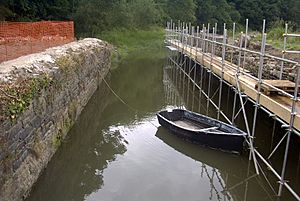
(129,41)
(274,35)
(277,41)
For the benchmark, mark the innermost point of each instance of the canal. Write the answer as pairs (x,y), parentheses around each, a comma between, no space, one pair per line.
(117,151)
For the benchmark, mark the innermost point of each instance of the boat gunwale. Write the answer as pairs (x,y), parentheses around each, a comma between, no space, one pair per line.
(199,131)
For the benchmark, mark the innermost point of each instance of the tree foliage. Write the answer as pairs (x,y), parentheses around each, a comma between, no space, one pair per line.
(216,11)
(183,10)
(94,16)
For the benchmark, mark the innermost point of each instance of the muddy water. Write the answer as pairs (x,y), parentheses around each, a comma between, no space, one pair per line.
(119,152)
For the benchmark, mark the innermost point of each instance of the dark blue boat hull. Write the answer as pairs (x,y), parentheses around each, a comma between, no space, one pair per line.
(230,143)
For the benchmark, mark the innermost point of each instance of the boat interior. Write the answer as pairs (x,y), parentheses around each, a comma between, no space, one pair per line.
(197,122)
(178,117)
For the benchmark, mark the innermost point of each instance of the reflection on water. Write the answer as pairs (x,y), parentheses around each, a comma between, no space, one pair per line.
(114,153)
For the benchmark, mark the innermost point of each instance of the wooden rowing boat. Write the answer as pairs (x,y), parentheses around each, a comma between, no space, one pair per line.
(203,130)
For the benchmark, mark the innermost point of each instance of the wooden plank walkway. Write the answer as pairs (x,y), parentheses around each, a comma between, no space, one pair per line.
(279,105)
(284,85)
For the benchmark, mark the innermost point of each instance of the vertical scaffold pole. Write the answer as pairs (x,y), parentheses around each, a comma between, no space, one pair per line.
(207,37)
(222,73)
(170,37)
(202,36)
(195,65)
(174,32)
(240,53)
(204,43)
(216,28)
(284,49)
(210,72)
(190,60)
(259,82)
(167,35)
(243,107)
(174,53)
(183,56)
(171,55)
(238,72)
(290,131)
(201,66)
(184,65)
(245,45)
(233,40)
(177,52)
(171,23)
(167,39)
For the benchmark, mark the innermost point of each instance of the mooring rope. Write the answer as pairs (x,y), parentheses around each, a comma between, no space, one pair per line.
(120,99)
(126,104)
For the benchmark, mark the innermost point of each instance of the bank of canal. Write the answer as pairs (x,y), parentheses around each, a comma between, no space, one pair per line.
(114,153)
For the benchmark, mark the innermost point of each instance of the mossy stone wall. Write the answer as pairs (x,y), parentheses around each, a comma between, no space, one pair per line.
(28,142)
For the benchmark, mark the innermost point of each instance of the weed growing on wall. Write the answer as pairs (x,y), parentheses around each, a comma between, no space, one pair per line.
(16,97)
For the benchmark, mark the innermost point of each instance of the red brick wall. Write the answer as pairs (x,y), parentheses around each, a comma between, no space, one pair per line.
(21,38)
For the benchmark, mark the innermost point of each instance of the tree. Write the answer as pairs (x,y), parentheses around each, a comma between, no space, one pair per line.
(92,16)
(257,10)
(5,13)
(144,13)
(183,10)
(59,10)
(216,11)
(291,11)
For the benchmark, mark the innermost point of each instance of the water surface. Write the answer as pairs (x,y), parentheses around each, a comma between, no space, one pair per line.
(119,152)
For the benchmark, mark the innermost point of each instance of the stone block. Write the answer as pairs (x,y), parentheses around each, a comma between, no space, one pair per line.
(14,132)
(36,121)
(13,147)
(30,138)
(3,154)
(18,162)
(25,132)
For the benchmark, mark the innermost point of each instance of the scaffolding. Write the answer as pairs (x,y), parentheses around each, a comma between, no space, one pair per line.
(199,47)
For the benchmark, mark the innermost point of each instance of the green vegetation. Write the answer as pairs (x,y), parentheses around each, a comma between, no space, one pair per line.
(16,98)
(216,11)
(57,140)
(93,17)
(132,25)
(275,36)
(131,40)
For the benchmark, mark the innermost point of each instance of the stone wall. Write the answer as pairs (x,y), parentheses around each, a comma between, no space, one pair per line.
(27,143)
